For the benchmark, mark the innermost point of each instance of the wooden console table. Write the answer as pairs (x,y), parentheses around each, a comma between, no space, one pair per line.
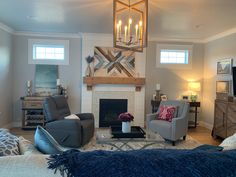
(32,112)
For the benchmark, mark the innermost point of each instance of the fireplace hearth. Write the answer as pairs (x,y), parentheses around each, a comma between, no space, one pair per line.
(109,110)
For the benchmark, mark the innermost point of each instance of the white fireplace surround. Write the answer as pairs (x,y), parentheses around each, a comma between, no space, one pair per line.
(90,98)
(97,95)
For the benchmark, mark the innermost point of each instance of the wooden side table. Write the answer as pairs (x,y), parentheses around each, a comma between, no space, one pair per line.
(194,105)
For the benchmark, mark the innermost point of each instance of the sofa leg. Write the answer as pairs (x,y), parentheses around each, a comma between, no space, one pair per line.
(173,143)
(184,137)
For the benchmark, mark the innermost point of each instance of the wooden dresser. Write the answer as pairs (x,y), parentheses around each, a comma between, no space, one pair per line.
(224,118)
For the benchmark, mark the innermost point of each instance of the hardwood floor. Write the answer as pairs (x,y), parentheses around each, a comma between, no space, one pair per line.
(201,134)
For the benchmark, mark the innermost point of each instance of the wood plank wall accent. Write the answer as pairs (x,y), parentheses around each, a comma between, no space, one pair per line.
(138,82)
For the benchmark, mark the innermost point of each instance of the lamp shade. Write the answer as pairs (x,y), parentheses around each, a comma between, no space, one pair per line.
(194,86)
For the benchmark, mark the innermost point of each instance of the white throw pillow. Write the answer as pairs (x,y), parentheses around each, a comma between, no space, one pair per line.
(229,143)
(72,116)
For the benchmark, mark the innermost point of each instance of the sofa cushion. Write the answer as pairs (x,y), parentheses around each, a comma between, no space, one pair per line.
(166,113)
(8,144)
(26,166)
(45,143)
(27,147)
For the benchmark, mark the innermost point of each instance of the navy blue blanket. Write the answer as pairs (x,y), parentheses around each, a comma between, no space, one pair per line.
(146,163)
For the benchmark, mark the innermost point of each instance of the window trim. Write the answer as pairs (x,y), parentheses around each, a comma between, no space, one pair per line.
(32,42)
(160,47)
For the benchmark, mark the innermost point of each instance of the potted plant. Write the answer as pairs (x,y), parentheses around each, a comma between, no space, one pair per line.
(126,119)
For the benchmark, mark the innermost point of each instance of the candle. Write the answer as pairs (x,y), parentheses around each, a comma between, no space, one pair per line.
(129,29)
(28,83)
(117,31)
(158,87)
(125,32)
(58,82)
(140,30)
(136,33)
(120,24)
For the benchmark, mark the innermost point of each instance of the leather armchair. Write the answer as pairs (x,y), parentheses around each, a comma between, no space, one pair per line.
(170,130)
(67,132)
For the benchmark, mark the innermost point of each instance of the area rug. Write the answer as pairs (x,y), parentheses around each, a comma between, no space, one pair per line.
(189,143)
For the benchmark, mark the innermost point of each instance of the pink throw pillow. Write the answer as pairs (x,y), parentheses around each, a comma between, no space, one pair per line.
(166,113)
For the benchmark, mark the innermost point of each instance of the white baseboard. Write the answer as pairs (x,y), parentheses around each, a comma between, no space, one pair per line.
(205,124)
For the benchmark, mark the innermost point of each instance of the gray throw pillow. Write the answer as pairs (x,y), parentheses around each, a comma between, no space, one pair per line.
(45,143)
(8,143)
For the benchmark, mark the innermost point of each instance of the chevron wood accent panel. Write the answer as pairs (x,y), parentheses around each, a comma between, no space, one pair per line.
(111,61)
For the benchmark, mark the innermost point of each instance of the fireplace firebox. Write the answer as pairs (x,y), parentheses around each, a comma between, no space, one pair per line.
(109,110)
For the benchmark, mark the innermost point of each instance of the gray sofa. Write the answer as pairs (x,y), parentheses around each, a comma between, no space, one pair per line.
(67,132)
(170,130)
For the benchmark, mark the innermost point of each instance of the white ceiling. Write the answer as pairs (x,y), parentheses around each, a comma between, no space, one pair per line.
(181,19)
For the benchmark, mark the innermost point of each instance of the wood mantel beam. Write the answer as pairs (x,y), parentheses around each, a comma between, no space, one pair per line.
(91,81)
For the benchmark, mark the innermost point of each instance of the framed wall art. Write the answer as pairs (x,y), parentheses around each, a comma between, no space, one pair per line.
(223,87)
(224,66)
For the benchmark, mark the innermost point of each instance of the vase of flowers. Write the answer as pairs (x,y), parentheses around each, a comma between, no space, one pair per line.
(90,69)
(126,119)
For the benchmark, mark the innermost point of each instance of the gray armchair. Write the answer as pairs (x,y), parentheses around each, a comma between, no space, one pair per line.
(170,130)
(67,132)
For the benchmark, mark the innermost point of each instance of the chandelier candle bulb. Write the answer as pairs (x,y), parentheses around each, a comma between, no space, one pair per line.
(136,33)
(120,24)
(125,32)
(117,32)
(129,29)
(140,29)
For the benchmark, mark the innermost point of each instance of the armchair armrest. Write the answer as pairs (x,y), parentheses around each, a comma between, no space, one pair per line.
(65,124)
(179,126)
(150,117)
(84,116)
(67,132)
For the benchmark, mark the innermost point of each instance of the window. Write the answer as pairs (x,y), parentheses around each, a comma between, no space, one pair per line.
(174,56)
(54,52)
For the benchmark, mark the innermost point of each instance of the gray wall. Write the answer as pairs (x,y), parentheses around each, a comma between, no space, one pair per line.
(5,78)
(69,75)
(214,50)
(174,82)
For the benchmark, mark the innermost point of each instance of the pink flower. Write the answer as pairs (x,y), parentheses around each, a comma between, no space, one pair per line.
(126,117)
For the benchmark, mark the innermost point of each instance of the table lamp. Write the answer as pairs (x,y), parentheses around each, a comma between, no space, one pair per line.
(194,87)
(158,89)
